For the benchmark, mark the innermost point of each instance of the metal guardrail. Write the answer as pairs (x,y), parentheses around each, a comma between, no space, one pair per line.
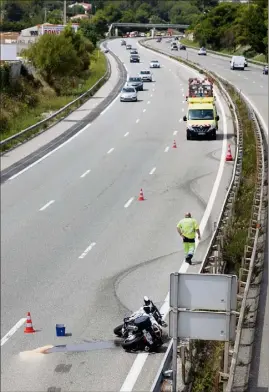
(43,125)
(213,261)
(261,63)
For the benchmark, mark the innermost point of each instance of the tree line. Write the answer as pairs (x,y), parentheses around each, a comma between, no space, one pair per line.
(230,26)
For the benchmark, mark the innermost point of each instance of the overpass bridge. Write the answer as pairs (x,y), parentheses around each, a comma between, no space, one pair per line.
(154,26)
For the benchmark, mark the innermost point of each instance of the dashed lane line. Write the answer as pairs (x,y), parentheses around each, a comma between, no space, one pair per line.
(175,133)
(12,331)
(87,250)
(166,149)
(137,121)
(47,205)
(111,150)
(84,174)
(129,202)
(126,134)
(152,171)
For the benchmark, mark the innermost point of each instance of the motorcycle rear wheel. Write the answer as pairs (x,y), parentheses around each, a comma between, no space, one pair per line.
(118,330)
(132,344)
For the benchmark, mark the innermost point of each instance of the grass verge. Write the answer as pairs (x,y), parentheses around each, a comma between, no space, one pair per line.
(22,116)
(195,45)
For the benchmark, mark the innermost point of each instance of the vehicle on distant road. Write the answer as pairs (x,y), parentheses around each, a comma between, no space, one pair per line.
(134,58)
(128,47)
(155,64)
(136,82)
(237,62)
(128,94)
(145,75)
(174,46)
(182,47)
(158,40)
(123,42)
(246,62)
(265,70)
(134,51)
(202,52)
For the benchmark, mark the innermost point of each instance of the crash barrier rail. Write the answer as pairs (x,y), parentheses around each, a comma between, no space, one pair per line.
(252,260)
(261,63)
(45,124)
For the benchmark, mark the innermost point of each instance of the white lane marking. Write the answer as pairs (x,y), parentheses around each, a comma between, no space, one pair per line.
(47,205)
(183,101)
(84,174)
(151,95)
(153,89)
(152,171)
(166,149)
(87,250)
(265,127)
(183,95)
(180,120)
(110,151)
(182,109)
(144,110)
(12,331)
(141,358)
(126,134)
(148,102)
(49,153)
(137,121)
(175,132)
(129,202)
(134,372)
(182,89)
(261,86)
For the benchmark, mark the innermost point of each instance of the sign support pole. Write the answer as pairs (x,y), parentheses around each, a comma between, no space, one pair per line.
(175,327)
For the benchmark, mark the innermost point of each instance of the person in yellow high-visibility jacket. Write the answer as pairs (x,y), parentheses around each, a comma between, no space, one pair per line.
(187,229)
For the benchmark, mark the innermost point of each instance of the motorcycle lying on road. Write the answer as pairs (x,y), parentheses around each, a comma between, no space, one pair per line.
(143,329)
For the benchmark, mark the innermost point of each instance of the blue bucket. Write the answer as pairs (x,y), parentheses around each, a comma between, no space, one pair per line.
(60,330)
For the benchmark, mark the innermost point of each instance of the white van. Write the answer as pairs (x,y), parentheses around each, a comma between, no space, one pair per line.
(237,62)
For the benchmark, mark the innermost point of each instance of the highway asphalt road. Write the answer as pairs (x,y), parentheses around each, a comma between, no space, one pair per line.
(254,85)
(79,249)
(251,81)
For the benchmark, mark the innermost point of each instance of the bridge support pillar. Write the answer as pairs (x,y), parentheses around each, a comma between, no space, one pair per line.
(153,32)
(116,32)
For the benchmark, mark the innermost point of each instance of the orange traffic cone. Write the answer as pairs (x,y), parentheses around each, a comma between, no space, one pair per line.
(29,326)
(141,195)
(229,156)
(174,144)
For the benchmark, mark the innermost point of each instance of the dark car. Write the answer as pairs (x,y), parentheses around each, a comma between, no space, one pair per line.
(158,40)
(182,47)
(134,58)
(265,70)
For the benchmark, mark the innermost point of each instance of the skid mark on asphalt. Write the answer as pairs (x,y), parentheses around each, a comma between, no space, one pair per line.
(117,279)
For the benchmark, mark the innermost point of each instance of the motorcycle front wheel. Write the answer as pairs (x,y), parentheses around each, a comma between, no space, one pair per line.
(118,330)
(132,343)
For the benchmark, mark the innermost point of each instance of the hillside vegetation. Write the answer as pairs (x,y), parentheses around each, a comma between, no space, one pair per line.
(235,28)
(65,66)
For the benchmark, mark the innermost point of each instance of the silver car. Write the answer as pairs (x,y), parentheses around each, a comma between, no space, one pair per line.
(155,64)
(146,76)
(136,82)
(128,94)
